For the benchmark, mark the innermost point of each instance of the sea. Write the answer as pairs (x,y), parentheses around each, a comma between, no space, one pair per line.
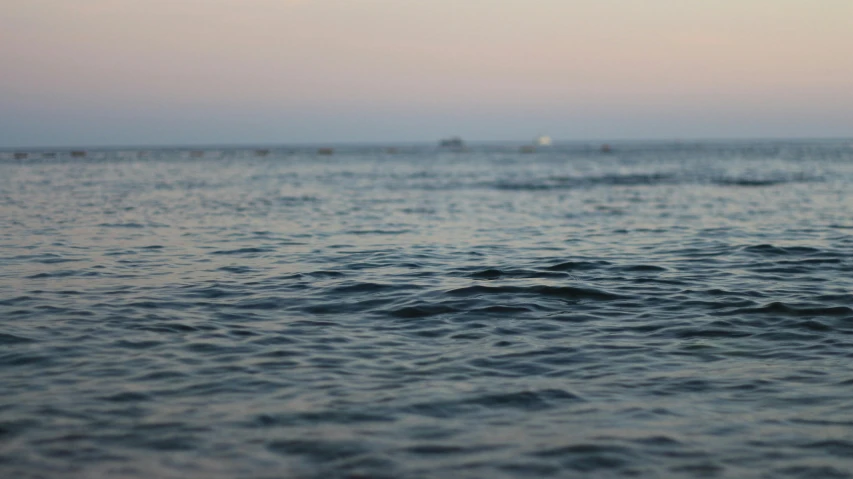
(659,309)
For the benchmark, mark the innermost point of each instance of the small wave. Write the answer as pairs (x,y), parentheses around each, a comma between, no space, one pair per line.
(788,310)
(263,304)
(422,311)
(295,200)
(316,417)
(502,309)
(13,339)
(753,182)
(643,268)
(566,292)
(491,274)
(121,225)
(446,449)
(242,251)
(577,265)
(237,269)
(370,288)
(15,301)
(129,396)
(140,345)
(838,447)
(378,232)
(523,400)
(770,250)
(326,274)
(212,292)
(487,274)
(747,182)
(570,182)
(23,359)
(165,327)
(582,449)
(631,179)
(64,274)
(526,399)
(591,458)
(323,452)
(58,260)
(159,304)
(686,333)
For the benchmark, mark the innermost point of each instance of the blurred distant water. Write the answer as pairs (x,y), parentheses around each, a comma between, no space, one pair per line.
(665,310)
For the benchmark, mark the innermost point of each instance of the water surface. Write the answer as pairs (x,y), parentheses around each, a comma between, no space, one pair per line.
(666,310)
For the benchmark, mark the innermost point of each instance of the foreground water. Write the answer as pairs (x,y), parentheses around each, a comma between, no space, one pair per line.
(661,311)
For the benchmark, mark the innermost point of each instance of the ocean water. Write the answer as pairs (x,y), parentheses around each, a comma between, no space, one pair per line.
(671,310)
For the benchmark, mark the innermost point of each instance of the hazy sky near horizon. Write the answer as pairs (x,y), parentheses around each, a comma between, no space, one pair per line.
(112,72)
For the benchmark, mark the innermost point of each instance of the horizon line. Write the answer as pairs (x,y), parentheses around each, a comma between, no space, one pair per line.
(396,143)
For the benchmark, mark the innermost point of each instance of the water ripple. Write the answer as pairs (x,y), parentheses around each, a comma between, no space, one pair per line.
(667,310)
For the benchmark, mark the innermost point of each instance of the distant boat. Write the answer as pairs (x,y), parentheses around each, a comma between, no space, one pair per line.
(527,149)
(78,154)
(455,143)
(262,152)
(605,148)
(326,151)
(542,140)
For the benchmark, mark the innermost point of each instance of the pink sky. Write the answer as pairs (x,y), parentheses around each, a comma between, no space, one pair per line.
(200,71)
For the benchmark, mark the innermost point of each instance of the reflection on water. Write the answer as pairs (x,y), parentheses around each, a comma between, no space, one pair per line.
(662,310)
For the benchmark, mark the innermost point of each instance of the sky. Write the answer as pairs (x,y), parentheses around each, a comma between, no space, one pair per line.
(160,72)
